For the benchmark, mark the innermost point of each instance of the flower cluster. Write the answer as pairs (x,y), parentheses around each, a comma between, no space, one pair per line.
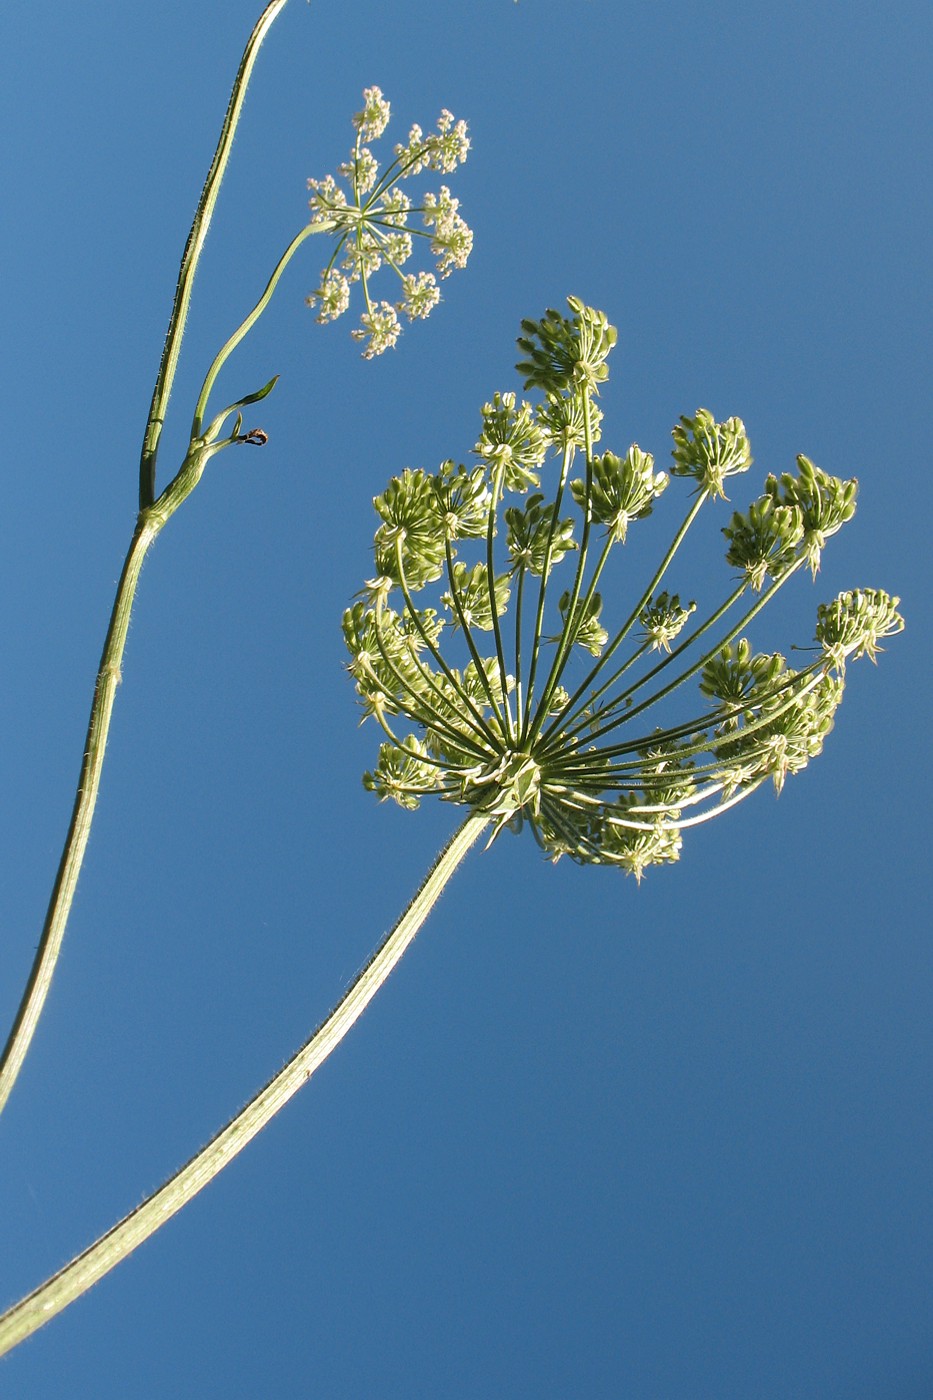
(536,709)
(369,222)
(710,451)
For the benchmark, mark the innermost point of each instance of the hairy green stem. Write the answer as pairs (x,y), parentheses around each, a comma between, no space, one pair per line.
(480,725)
(148,526)
(573,623)
(508,729)
(78,1276)
(245,326)
(192,254)
(152,516)
(457,604)
(108,678)
(566,462)
(561,721)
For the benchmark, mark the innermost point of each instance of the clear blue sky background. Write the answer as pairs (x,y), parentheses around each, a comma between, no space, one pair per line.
(669,1142)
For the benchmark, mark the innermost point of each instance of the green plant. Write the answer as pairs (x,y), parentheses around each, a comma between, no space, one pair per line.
(368,224)
(526,706)
(510,742)
(593,774)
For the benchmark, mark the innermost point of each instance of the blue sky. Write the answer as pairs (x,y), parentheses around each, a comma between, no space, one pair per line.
(596,1140)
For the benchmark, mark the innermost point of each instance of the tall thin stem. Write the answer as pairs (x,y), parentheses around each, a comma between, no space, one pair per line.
(246,325)
(192,254)
(108,678)
(78,1276)
(152,516)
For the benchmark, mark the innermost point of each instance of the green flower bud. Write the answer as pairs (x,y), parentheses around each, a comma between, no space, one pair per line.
(855,622)
(664,619)
(511,442)
(735,675)
(623,489)
(473,603)
(402,774)
(584,627)
(825,504)
(764,541)
(563,422)
(564,354)
(537,734)
(710,451)
(536,540)
(410,543)
(463,501)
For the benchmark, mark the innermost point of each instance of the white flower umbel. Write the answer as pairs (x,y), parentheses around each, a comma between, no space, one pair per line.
(495,728)
(488,721)
(369,221)
(369,228)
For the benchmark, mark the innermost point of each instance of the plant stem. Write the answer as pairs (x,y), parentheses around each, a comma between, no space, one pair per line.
(77,1277)
(152,516)
(246,325)
(108,678)
(191,256)
(148,525)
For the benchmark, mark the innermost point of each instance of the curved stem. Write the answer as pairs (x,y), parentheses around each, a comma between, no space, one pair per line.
(561,720)
(226,350)
(507,730)
(468,635)
(566,462)
(191,256)
(152,516)
(108,678)
(78,1276)
(148,525)
(573,621)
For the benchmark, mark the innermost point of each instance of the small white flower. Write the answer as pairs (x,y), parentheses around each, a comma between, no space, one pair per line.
(395,207)
(397,248)
(411,156)
(450,147)
(421,295)
(333,295)
(438,208)
(374,118)
(361,170)
(328,199)
(369,222)
(381,327)
(452,244)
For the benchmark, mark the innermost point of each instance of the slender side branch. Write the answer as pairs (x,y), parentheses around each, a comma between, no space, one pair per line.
(108,678)
(191,256)
(247,324)
(78,1276)
(152,516)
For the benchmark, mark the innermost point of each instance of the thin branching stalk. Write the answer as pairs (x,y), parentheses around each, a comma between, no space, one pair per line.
(96,1261)
(584,690)
(566,463)
(569,633)
(108,678)
(192,254)
(457,605)
(152,516)
(245,326)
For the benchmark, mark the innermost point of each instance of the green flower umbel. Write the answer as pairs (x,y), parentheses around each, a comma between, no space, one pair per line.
(369,221)
(536,707)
